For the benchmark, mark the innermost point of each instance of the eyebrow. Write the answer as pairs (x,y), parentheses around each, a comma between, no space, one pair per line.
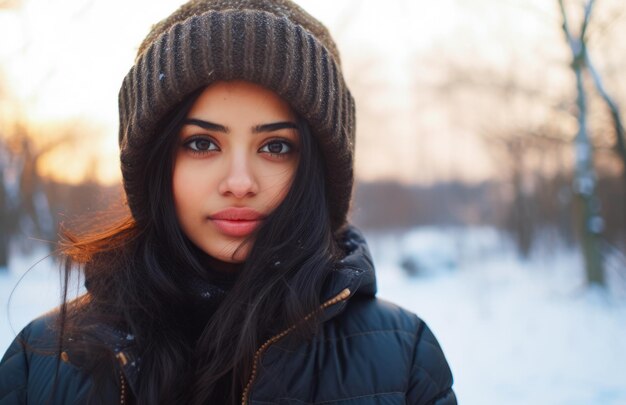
(206,125)
(275,126)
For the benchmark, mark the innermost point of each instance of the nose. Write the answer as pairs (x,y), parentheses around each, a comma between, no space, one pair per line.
(239,180)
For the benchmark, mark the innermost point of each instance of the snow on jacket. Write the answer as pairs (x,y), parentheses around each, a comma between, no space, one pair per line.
(367,351)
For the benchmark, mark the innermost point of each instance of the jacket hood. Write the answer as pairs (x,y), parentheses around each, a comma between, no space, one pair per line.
(355,271)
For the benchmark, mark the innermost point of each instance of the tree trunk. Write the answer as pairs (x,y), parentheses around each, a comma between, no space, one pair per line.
(590,222)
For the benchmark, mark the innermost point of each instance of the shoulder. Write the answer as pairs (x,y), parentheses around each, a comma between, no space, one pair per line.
(28,367)
(371,352)
(17,362)
(375,313)
(398,338)
(369,315)
(36,338)
(41,331)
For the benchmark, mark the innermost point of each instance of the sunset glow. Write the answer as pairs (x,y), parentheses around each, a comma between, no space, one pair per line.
(66,61)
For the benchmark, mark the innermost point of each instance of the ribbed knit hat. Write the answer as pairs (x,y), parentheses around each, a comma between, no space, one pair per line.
(273,43)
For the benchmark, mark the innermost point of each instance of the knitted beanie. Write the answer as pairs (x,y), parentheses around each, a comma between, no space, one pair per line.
(273,43)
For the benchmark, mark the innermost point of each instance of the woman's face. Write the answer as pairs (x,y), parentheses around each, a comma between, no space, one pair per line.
(235,159)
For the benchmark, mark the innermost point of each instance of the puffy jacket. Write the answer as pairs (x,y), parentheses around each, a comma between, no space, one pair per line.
(367,351)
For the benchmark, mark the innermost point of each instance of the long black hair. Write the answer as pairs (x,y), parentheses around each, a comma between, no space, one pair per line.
(137,278)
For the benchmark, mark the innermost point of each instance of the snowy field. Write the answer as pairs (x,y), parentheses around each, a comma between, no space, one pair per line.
(514,332)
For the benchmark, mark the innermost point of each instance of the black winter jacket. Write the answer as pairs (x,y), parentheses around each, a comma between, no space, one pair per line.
(368,351)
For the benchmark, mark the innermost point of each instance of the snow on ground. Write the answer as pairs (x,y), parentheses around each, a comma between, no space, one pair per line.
(29,288)
(514,331)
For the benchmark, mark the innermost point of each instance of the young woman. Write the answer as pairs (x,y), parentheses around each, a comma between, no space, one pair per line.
(236,277)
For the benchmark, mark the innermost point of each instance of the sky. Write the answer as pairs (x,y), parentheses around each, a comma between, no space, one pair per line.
(65,63)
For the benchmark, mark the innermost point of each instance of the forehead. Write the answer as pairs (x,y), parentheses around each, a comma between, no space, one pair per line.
(240,100)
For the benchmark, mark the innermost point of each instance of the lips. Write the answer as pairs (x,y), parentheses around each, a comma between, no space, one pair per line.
(237,221)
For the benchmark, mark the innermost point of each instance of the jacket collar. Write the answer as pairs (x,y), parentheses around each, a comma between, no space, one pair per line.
(355,271)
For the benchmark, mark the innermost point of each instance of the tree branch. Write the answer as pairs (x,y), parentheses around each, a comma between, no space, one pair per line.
(588,9)
(615,113)
(566,29)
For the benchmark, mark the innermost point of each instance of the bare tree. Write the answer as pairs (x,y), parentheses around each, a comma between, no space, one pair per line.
(526,116)
(591,223)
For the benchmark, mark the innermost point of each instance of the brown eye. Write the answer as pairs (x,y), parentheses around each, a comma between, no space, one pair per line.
(276,147)
(201,145)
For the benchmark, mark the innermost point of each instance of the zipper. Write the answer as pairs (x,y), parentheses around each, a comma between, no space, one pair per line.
(122,359)
(122,388)
(342,296)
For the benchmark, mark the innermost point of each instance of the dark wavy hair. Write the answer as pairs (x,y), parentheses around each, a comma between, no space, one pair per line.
(136,279)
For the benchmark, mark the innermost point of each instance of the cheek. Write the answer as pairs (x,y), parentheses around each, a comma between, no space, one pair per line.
(185,187)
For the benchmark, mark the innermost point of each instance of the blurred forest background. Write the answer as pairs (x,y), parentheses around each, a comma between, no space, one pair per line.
(508,114)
